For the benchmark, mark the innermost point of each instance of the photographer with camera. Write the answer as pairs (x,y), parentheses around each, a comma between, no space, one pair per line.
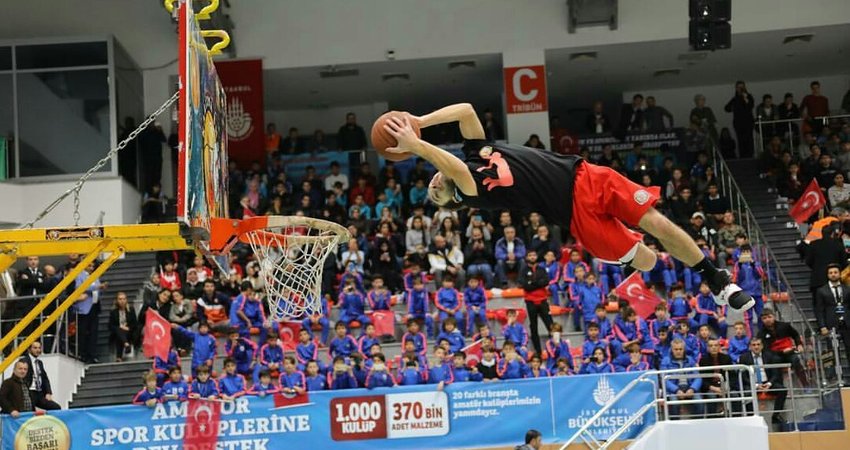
(831,302)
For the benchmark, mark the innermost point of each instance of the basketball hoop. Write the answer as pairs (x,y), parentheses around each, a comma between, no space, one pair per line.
(291,252)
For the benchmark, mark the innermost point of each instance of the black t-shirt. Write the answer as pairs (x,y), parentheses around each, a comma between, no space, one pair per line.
(521,178)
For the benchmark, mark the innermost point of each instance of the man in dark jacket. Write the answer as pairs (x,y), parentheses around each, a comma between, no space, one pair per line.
(351,136)
(741,107)
(784,341)
(767,379)
(713,387)
(831,302)
(821,253)
(14,393)
(36,379)
(535,282)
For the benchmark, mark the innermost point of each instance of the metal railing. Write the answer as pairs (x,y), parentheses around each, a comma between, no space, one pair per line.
(775,279)
(60,338)
(791,128)
(585,434)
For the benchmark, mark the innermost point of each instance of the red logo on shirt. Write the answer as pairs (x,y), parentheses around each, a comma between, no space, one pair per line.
(503,169)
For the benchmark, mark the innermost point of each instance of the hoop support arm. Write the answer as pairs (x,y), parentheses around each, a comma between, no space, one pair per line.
(55,292)
(117,252)
(65,240)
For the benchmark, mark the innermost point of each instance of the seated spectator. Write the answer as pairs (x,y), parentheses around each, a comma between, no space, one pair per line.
(123,327)
(445,260)
(247,312)
(342,345)
(534,142)
(535,368)
(784,341)
(203,386)
(592,342)
(313,379)
(352,303)
(161,366)
(341,375)
(713,387)
(149,396)
(358,204)
(379,375)
(418,194)
(557,348)
(214,307)
(682,206)
(597,363)
(270,357)
(263,386)
(510,255)
(685,387)
(439,372)
(478,257)
(306,350)
(512,365)
(767,380)
(175,388)
(488,366)
(353,256)
(231,384)
(193,288)
(291,380)
(335,176)
(242,351)
(384,263)
(417,238)
(839,193)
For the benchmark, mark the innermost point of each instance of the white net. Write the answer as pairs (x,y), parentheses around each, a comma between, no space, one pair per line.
(291,259)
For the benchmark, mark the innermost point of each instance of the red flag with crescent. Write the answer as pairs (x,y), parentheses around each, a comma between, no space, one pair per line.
(157,340)
(288,400)
(202,418)
(809,203)
(289,334)
(640,298)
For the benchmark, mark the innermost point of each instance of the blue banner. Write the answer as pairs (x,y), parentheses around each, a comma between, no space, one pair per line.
(464,415)
(296,165)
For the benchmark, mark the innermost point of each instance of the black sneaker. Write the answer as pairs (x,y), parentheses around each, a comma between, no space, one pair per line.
(728,293)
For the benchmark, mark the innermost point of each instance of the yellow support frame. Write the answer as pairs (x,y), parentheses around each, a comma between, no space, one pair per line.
(113,240)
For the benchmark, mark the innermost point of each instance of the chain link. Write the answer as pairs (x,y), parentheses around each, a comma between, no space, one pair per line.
(78,186)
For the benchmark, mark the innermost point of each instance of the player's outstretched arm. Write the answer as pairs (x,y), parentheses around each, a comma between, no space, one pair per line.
(448,164)
(464,113)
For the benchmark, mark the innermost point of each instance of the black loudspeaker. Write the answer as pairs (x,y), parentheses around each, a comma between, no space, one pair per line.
(709,27)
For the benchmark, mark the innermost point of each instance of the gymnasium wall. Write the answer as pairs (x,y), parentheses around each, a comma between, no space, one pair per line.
(680,101)
(326,119)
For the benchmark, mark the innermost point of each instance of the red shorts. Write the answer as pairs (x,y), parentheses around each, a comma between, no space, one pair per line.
(602,200)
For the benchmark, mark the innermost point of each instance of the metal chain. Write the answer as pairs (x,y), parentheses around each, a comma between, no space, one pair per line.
(78,186)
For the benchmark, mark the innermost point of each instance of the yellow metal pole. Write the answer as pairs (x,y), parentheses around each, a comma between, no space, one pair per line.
(72,275)
(72,298)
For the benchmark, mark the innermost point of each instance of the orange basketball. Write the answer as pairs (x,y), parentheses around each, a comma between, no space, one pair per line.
(381,139)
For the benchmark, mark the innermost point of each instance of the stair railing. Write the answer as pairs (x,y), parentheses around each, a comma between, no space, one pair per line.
(766,256)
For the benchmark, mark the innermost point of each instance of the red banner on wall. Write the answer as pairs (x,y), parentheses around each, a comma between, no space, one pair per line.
(243,82)
(525,89)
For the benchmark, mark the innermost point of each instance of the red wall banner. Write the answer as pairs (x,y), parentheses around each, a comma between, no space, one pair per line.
(525,89)
(243,82)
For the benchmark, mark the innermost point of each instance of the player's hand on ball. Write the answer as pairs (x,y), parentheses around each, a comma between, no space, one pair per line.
(403,132)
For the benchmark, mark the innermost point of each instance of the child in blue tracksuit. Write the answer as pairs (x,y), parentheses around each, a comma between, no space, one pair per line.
(590,296)
(703,336)
(597,364)
(420,341)
(343,344)
(243,351)
(662,346)
(263,386)
(417,305)
(204,349)
(367,340)
(629,328)
(270,359)
(512,365)
(748,274)
(610,275)
(557,348)
(460,371)
(440,371)
(683,332)
(414,274)
(448,303)
(379,297)
(231,384)
(307,350)
(568,275)
(553,270)
(661,320)
(663,270)
(160,367)
(340,375)
(379,375)
(452,334)
(592,342)
(739,342)
(575,291)
(352,277)
(291,380)
(176,387)
(689,277)
(476,304)
(320,319)
(313,380)
(150,395)
(353,305)
(707,311)
(535,368)
(515,332)
(606,330)
(678,304)
(410,374)
(203,386)
(246,311)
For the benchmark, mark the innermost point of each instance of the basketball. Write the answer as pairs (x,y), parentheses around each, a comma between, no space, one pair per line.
(381,139)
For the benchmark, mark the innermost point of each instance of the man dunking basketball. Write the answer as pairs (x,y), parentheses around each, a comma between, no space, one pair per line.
(592,201)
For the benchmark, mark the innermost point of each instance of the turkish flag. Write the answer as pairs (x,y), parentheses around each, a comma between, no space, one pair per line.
(641,298)
(157,340)
(285,400)
(473,352)
(809,203)
(384,322)
(289,335)
(202,418)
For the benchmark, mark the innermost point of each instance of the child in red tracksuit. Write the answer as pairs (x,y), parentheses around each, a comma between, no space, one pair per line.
(534,280)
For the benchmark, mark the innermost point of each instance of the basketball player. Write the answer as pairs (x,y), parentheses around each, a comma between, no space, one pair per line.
(591,201)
